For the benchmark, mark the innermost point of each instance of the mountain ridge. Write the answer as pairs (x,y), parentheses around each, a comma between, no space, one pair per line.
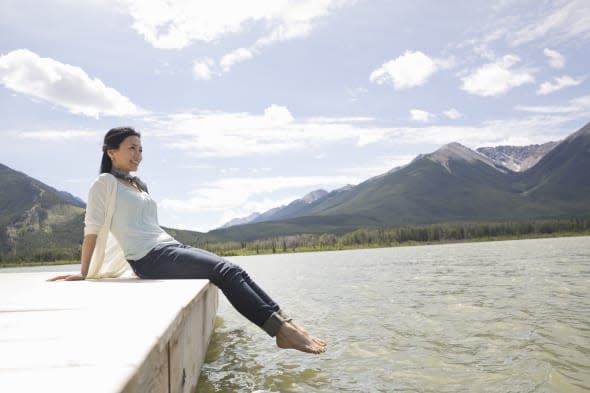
(442,187)
(279,212)
(502,158)
(456,151)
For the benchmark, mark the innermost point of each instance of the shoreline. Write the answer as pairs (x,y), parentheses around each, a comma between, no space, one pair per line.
(233,253)
(270,251)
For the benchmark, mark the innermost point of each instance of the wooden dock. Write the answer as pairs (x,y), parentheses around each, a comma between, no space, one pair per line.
(107,336)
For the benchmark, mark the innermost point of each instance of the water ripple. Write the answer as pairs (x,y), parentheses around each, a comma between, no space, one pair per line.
(486,317)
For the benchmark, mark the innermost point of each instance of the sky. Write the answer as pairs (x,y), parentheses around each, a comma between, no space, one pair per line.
(248,105)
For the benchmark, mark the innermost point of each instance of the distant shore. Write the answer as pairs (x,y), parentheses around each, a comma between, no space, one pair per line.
(303,249)
(412,243)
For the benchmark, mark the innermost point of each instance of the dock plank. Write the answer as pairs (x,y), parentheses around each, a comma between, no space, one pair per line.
(102,335)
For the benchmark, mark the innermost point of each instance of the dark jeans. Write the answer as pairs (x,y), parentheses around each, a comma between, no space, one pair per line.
(181,261)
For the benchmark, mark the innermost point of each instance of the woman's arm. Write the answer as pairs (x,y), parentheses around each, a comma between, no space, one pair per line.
(93,221)
(87,249)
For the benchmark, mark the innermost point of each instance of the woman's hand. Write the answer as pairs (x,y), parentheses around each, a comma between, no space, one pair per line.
(68,277)
(87,249)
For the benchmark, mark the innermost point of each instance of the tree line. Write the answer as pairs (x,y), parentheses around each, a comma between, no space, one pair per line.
(398,236)
(359,238)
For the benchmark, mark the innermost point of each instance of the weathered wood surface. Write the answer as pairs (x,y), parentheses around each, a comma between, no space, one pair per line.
(121,335)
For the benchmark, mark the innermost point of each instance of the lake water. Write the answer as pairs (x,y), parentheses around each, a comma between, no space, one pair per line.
(509,316)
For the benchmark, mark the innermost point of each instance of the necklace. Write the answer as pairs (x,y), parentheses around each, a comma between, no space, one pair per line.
(131,179)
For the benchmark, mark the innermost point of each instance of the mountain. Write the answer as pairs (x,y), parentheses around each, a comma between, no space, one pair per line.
(457,152)
(562,177)
(35,218)
(503,158)
(40,223)
(291,210)
(241,221)
(74,200)
(452,184)
(517,158)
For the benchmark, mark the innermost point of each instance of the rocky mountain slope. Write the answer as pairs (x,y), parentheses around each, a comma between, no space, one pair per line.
(517,158)
(36,220)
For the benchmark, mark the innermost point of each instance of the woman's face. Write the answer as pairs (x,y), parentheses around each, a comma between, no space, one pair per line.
(128,156)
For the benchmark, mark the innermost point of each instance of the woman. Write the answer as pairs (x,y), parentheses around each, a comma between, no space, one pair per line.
(121,230)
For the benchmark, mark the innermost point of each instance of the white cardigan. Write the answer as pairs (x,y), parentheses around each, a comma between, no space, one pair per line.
(108,259)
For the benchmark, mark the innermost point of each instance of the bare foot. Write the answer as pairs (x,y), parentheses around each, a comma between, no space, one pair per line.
(306,333)
(289,337)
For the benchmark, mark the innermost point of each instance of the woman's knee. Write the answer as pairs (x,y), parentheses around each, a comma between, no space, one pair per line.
(225,271)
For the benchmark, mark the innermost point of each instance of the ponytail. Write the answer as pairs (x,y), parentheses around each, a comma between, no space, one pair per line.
(106,164)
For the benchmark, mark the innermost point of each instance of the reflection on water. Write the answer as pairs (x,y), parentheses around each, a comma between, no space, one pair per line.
(485,317)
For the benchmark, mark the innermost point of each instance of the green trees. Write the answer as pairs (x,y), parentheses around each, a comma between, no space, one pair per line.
(396,236)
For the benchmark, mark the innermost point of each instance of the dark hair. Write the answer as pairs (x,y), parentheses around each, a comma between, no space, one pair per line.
(112,140)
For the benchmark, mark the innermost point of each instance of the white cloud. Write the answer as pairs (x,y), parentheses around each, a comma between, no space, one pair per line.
(338,120)
(556,59)
(371,136)
(175,24)
(408,70)
(278,114)
(496,78)
(202,69)
(276,132)
(222,134)
(292,19)
(452,114)
(378,166)
(565,21)
(546,109)
(232,58)
(293,29)
(484,51)
(354,94)
(521,131)
(579,106)
(419,115)
(561,82)
(62,84)
(50,135)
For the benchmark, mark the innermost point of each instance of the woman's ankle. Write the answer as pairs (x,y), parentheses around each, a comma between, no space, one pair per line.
(274,323)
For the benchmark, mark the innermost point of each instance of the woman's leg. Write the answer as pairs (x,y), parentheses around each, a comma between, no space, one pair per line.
(180,261)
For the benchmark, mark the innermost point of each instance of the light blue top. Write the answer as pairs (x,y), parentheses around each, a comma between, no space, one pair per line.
(135,223)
